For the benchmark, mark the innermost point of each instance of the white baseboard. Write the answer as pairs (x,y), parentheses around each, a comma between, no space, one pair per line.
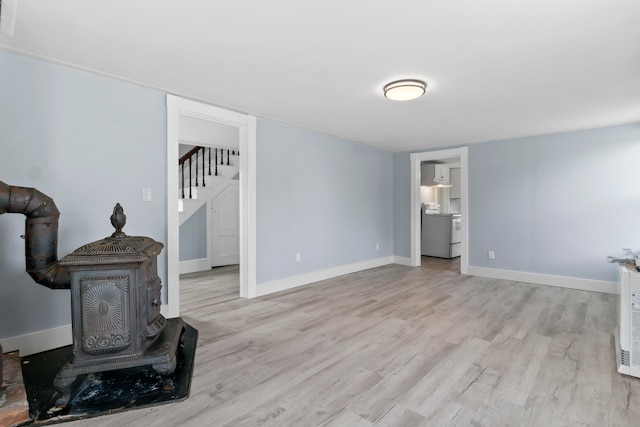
(194,265)
(48,339)
(402,260)
(164,310)
(37,342)
(304,279)
(546,279)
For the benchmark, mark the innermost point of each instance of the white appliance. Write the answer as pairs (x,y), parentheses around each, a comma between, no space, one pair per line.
(441,234)
(627,334)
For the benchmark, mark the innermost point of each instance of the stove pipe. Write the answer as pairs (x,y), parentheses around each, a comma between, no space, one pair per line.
(41,233)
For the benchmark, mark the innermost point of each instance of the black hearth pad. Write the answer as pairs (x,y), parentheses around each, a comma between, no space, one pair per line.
(108,392)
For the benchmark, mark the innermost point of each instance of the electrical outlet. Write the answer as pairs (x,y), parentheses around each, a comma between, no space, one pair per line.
(298,257)
(491,254)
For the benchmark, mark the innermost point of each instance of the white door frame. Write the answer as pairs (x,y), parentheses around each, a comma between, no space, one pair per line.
(416,159)
(246,125)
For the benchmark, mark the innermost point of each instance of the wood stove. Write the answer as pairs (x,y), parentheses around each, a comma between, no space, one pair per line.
(115,293)
(115,302)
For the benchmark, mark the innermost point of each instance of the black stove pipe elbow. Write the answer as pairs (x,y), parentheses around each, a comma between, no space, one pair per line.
(41,233)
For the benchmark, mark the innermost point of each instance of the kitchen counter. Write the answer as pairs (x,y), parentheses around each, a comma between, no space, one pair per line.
(440,235)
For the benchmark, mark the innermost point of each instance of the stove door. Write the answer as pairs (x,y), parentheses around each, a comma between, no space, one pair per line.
(104,305)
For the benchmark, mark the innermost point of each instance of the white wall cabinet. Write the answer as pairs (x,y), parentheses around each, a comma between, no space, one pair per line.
(433,174)
(454,180)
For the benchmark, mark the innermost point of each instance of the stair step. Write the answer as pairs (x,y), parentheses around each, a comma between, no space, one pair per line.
(209,182)
(194,193)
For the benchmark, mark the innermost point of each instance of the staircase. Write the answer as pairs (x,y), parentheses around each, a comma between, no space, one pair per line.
(203,173)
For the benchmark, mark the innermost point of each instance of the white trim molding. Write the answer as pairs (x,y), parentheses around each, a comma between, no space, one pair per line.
(416,160)
(246,125)
(546,279)
(195,265)
(248,215)
(402,260)
(37,342)
(329,273)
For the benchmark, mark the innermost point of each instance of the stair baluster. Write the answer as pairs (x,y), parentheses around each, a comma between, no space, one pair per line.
(197,148)
(182,164)
(204,184)
(190,195)
(197,151)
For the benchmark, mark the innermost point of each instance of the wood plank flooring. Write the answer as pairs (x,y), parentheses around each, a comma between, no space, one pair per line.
(435,263)
(398,346)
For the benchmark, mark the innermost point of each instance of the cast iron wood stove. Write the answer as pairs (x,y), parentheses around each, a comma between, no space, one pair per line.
(115,304)
(115,292)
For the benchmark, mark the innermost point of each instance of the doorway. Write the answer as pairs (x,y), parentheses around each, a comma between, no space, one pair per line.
(209,219)
(179,110)
(415,205)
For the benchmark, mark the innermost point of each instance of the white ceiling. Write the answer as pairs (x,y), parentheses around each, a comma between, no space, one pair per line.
(194,131)
(495,68)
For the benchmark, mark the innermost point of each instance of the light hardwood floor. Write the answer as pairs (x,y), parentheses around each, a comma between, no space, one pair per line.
(398,346)
(446,264)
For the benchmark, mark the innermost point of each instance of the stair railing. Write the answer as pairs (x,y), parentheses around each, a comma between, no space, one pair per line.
(205,152)
(188,158)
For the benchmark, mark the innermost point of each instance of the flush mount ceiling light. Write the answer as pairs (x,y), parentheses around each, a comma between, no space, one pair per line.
(405,90)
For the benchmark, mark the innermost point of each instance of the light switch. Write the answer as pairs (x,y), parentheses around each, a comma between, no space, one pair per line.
(146,194)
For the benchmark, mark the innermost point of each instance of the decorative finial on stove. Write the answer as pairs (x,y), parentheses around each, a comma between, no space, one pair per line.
(118,220)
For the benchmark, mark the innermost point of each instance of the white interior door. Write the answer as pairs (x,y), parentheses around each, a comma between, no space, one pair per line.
(225,233)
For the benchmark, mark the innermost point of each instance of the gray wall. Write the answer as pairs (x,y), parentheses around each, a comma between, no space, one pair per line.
(325,197)
(87,142)
(553,204)
(402,205)
(193,236)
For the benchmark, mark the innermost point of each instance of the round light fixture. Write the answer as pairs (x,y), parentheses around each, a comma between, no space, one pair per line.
(405,90)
